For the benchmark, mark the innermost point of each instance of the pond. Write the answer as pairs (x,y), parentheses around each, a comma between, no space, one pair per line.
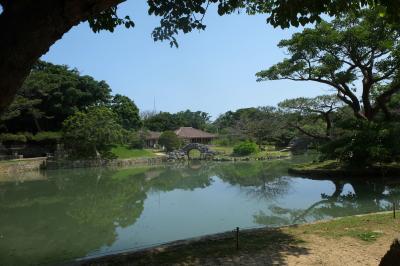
(55,216)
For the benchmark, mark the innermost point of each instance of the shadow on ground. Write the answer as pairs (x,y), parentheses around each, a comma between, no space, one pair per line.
(256,247)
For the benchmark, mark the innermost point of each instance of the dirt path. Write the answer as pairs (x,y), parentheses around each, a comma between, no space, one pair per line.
(318,251)
(347,251)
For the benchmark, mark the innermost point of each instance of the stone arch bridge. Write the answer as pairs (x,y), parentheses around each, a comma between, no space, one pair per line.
(205,152)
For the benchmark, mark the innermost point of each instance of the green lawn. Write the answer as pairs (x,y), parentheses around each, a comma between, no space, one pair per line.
(269,152)
(123,152)
(225,150)
(194,154)
(365,227)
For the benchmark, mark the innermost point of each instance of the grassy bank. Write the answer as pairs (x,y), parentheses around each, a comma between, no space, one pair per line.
(334,168)
(226,152)
(123,152)
(279,246)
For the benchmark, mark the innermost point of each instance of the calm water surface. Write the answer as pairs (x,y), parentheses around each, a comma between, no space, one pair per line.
(66,214)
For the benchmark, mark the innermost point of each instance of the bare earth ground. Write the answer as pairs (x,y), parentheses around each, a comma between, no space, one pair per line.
(346,251)
(355,240)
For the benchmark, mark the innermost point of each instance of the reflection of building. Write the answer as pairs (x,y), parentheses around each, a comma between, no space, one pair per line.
(187,134)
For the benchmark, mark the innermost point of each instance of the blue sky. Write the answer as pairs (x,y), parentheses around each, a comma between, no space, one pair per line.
(212,70)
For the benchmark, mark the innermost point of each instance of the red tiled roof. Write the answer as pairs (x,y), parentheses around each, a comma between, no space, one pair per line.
(193,133)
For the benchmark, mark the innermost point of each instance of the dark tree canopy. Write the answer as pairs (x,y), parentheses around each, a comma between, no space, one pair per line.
(49,95)
(29,27)
(163,121)
(355,48)
(196,119)
(127,112)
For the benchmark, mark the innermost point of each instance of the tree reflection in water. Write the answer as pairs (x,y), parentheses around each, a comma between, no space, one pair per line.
(67,214)
(368,196)
(70,213)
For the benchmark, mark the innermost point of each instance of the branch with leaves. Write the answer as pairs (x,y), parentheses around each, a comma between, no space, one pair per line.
(352,49)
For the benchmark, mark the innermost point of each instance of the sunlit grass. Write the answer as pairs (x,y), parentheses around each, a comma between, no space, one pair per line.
(367,228)
(123,152)
(269,151)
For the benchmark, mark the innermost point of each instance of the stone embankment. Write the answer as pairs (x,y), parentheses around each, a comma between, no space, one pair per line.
(66,164)
(12,167)
(244,159)
(21,165)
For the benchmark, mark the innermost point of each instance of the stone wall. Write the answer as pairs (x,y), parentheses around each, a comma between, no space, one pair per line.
(22,165)
(65,164)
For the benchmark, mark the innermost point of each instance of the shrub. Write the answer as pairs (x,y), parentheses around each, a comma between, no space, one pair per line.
(47,137)
(245,148)
(365,143)
(92,133)
(135,140)
(8,138)
(169,140)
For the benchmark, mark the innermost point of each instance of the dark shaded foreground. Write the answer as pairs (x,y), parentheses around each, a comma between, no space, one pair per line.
(256,247)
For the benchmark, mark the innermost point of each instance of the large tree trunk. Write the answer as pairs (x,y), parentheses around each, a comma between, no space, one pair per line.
(328,121)
(27,30)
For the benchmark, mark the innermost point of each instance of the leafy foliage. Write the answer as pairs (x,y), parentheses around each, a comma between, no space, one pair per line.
(127,112)
(163,121)
(92,133)
(365,143)
(50,94)
(134,139)
(186,16)
(12,138)
(262,124)
(196,119)
(305,114)
(354,47)
(47,137)
(169,140)
(245,148)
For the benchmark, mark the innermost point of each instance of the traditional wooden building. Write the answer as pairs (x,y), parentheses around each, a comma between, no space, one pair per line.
(187,134)
(193,135)
(151,139)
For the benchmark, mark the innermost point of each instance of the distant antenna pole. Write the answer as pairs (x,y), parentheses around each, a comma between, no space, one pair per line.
(154,104)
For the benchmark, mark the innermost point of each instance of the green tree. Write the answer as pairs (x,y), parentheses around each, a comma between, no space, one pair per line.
(161,122)
(169,140)
(196,119)
(49,95)
(262,124)
(22,106)
(322,106)
(354,54)
(50,20)
(365,143)
(91,134)
(127,112)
